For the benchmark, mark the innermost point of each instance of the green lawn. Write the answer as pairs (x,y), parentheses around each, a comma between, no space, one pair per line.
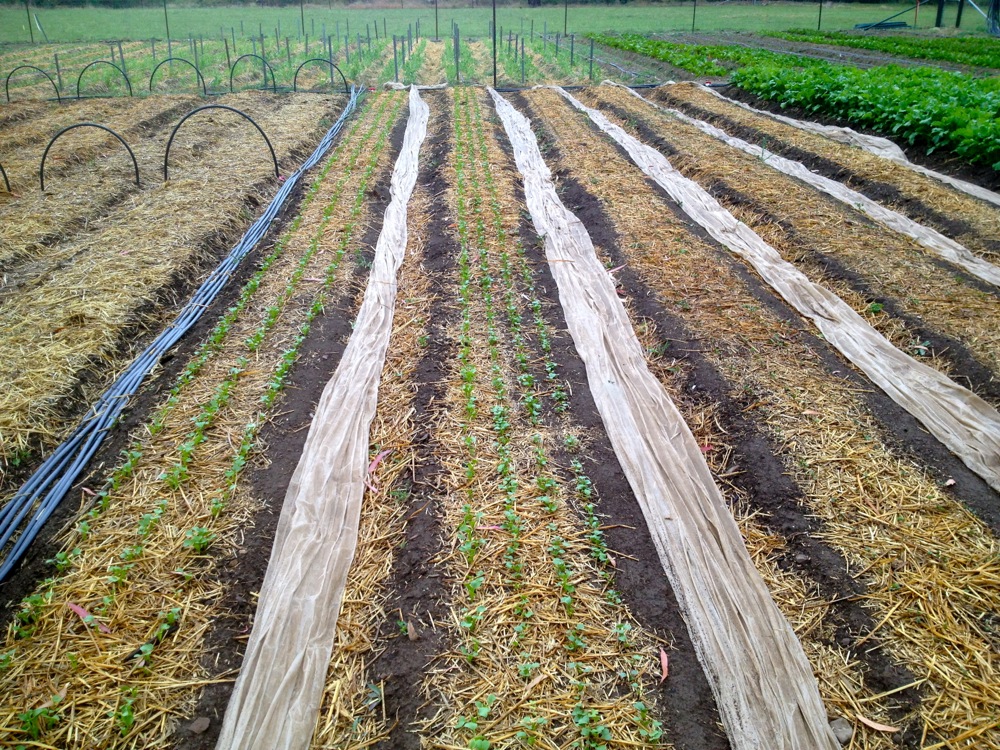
(79,24)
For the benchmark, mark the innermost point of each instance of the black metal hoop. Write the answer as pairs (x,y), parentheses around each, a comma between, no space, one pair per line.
(267,66)
(41,168)
(267,140)
(295,79)
(5,180)
(102,62)
(6,85)
(201,78)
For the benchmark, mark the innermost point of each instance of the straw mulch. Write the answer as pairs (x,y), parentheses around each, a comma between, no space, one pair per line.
(930,567)
(891,266)
(515,666)
(352,715)
(432,72)
(983,219)
(65,319)
(86,171)
(140,536)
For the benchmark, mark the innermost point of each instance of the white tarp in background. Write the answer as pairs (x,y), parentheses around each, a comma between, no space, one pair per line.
(767,695)
(927,237)
(276,700)
(965,423)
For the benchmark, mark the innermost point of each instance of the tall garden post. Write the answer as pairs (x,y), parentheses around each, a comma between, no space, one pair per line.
(572,46)
(565,17)
(166,21)
(958,18)
(436,38)
(494,43)
(694,13)
(522,61)
(302,15)
(591,59)
(31,31)
(59,72)
(395,59)
(939,19)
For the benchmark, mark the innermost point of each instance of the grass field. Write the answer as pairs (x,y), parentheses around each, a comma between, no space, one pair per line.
(85,24)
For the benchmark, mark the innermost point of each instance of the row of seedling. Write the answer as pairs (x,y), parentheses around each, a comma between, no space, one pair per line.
(545,487)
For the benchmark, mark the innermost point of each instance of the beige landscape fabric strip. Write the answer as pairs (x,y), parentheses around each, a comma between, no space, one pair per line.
(873,144)
(956,416)
(276,699)
(926,237)
(767,695)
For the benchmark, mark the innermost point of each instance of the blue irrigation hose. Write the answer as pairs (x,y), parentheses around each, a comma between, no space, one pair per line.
(48,485)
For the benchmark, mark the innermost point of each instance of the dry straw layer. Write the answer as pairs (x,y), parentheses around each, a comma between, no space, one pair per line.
(87,170)
(799,221)
(432,72)
(144,534)
(929,565)
(65,323)
(973,223)
(542,646)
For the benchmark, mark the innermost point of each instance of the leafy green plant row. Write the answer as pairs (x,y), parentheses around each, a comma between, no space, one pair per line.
(932,109)
(702,60)
(967,50)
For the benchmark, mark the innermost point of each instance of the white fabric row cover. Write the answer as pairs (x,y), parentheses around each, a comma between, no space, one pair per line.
(927,237)
(872,144)
(276,700)
(767,695)
(965,423)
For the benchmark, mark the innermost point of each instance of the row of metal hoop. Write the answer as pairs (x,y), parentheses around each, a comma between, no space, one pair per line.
(135,163)
(201,78)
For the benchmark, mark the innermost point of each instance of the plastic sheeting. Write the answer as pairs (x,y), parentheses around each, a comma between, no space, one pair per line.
(872,144)
(765,689)
(931,239)
(965,423)
(276,700)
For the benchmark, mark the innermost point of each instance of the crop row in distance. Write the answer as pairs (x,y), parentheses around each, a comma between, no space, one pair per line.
(931,109)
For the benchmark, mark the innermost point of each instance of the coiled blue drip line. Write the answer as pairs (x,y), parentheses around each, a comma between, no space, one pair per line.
(47,487)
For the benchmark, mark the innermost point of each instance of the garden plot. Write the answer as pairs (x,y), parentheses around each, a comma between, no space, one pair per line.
(904,290)
(972,222)
(771,384)
(73,312)
(506,590)
(141,559)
